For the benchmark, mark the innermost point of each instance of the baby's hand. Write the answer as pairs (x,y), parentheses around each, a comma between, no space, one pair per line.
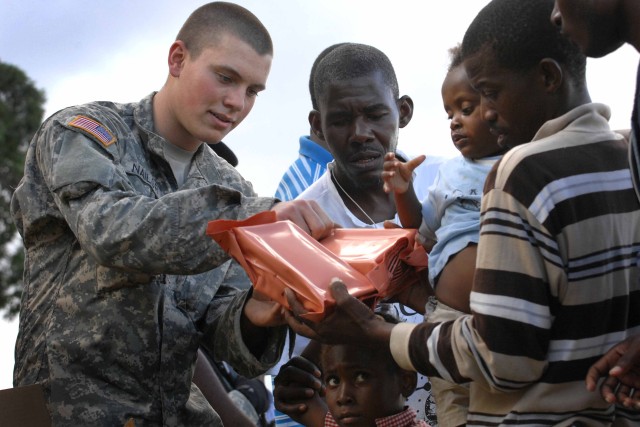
(397,175)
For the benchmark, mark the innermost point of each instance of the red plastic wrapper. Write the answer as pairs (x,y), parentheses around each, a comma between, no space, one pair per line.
(373,263)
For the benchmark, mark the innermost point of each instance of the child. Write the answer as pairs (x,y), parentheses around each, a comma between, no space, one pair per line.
(450,216)
(362,387)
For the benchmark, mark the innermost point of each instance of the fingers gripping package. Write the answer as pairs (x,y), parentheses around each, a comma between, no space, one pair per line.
(373,263)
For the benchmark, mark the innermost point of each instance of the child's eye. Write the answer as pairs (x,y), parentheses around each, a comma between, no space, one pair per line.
(252,93)
(332,381)
(361,377)
(489,94)
(467,111)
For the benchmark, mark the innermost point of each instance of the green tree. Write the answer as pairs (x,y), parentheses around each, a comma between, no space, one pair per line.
(21,111)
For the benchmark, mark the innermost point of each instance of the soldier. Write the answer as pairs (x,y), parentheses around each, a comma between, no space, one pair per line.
(121,285)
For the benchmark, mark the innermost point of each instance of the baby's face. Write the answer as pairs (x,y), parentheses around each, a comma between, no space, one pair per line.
(361,385)
(469,132)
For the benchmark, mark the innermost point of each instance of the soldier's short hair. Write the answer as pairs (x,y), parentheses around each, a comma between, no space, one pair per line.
(209,22)
(353,60)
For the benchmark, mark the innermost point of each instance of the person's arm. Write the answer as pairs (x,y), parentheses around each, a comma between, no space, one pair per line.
(207,380)
(415,296)
(475,355)
(620,368)
(397,178)
(129,229)
(240,328)
(125,226)
(472,348)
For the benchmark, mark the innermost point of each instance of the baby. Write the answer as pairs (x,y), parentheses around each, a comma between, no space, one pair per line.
(449,218)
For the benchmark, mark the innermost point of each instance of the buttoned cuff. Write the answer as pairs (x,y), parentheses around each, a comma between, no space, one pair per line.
(399,344)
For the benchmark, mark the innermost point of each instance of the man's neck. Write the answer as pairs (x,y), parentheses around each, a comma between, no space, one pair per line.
(369,204)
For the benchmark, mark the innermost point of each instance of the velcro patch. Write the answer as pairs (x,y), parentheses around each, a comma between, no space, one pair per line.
(100,132)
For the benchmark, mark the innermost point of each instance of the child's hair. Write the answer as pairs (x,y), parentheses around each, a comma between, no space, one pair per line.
(519,34)
(455,57)
(388,314)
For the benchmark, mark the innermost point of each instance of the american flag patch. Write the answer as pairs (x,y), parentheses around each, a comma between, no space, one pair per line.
(93,128)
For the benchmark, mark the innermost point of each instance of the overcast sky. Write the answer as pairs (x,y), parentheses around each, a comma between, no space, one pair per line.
(117,50)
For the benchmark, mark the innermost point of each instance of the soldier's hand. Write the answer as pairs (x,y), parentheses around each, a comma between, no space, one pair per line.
(307,215)
(263,312)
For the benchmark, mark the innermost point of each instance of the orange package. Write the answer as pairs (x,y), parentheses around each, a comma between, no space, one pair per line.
(373,263)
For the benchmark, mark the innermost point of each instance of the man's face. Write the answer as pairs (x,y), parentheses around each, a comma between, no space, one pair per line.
(215,91)
(361,386)
(359,119)
(513,103)
(591,24)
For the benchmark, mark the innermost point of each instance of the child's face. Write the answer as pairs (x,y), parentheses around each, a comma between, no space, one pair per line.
(361,385)
(469,132)
(514,103)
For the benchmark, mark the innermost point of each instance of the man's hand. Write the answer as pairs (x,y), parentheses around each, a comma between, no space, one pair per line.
(620,367)
(415,296)
(397,175)
(307,215)
(351,322)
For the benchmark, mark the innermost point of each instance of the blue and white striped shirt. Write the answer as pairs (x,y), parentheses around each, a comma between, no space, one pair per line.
(310,165)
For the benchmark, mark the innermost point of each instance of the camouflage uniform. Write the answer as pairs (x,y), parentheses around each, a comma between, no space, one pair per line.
(120,287)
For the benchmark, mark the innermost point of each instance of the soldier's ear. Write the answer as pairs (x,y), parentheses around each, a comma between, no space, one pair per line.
(178,54)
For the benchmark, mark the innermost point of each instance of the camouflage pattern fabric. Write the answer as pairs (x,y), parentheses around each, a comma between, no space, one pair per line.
(121,284)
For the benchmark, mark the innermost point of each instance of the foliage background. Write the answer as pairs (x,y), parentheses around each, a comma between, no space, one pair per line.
(21,111)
